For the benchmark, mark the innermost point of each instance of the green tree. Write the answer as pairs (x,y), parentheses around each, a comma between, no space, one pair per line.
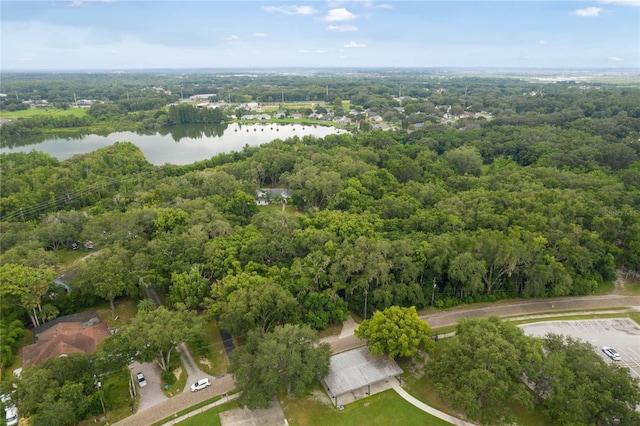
(189,288)
(290,358)
(575,386)
(59,391)
(12,333)
(261,307)
(396,332)
(480,370)
(27,285)
(466,160)
(155,333)
(107,275)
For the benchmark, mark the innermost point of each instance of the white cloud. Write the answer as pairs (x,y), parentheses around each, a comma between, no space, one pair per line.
(342,28)
(303,51)
(621,2)
(322,51)
(232,38)
(364,3)
(542,42)
(614,59)
(353,44)
(83,2)
(340,14)
(259,35)
(589,12)
(291,10)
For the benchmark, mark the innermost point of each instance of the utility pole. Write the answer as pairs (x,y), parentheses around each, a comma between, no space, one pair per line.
(365,304)
(433,293)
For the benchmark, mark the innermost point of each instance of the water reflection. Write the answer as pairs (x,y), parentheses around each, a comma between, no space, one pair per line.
(183,144)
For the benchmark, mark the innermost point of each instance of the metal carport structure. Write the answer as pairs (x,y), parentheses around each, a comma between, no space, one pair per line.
(357,369)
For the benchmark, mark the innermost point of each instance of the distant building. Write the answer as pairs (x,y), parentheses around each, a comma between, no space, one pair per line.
(265,196)
(203,97)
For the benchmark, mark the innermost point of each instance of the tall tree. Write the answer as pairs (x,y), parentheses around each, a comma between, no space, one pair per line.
(480,370)
(261,307)
(189,288)
(27,285)
(107,275)
(575,386)
(290,358)
(396,332)
(155,333)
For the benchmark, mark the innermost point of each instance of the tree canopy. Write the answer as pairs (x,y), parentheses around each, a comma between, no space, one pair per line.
(490,364)
(288,359)
(154,334)
(396,332)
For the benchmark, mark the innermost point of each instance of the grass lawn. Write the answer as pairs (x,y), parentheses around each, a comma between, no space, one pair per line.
(69,257)
(125,311)
(32,112)
(216,361)
(385,408)
(180,374)
(116,398)
(210,417)
(332,330)
(631,286)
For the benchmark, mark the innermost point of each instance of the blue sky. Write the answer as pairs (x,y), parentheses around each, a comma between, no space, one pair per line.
(144,34)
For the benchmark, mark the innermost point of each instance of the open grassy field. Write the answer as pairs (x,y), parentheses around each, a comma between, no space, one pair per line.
(32,112)
(385,408)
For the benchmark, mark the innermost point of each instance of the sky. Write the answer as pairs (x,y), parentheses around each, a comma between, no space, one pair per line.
(146,34)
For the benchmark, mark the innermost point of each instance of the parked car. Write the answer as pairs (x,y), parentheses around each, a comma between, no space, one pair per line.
(611,353)
(142,382)
(11,414)
(200,384)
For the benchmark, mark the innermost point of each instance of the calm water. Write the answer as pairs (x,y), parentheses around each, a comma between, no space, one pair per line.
(180,144)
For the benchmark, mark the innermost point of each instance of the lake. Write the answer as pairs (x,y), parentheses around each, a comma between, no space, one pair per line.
(178,145)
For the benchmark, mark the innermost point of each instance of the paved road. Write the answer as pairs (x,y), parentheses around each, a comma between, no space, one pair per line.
(534,306)
(438,319)
(170,407)
(347,341)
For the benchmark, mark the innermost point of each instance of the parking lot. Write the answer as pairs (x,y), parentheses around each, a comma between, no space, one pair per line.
(623,334)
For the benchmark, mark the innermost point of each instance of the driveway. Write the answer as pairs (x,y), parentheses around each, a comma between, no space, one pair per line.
(193,372)
(151,394)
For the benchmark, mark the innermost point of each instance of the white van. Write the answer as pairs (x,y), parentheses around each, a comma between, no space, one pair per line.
(200,384)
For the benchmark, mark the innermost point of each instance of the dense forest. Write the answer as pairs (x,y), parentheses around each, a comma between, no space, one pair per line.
(483,189)
(541,200)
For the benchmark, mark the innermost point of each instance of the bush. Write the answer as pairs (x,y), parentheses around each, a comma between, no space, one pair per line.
(168,377)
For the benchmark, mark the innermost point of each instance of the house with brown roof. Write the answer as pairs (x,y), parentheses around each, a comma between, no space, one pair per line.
(65,335)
